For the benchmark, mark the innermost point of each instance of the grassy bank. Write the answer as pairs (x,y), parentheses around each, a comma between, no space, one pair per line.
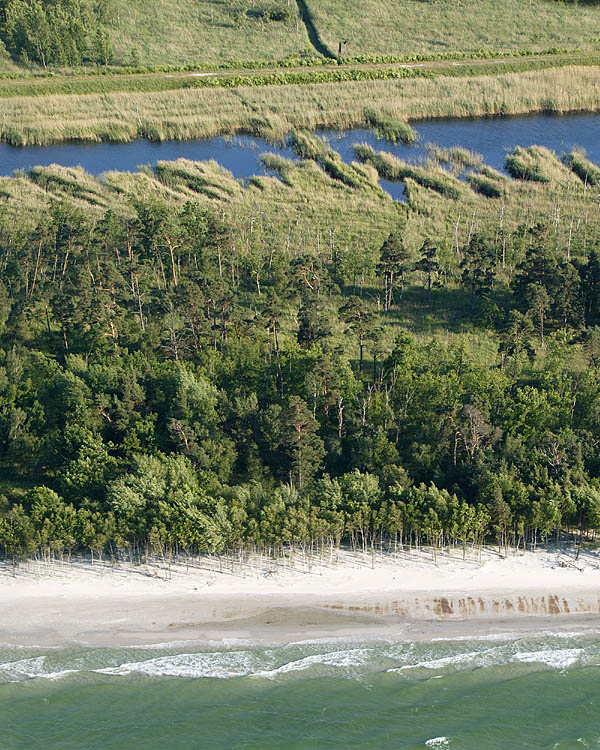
(273,111)
(159,32)
(288,71)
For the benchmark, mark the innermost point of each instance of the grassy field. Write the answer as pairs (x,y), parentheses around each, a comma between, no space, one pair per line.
(163,32)
(273,111)
(386,27)
(173,33)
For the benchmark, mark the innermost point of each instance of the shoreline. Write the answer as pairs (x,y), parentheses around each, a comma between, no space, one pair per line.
(202,113)
(247,130)
(407,597)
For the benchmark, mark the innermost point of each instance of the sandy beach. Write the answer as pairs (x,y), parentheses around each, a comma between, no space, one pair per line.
(408,595)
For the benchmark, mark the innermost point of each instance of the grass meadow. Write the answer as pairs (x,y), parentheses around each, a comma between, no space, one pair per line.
(174,33)
(159,32)
(424,26)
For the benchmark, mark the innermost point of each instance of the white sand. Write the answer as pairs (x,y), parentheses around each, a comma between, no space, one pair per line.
(407,593)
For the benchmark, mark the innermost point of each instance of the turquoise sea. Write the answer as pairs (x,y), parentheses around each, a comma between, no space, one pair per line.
(495,692)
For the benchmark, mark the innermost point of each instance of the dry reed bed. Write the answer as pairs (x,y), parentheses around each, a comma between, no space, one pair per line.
(275,111)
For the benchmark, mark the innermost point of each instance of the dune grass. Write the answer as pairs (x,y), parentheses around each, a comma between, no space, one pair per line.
(386,27)
(274,111)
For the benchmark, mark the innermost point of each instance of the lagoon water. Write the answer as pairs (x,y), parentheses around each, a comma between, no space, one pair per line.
(493,138)
(492,693)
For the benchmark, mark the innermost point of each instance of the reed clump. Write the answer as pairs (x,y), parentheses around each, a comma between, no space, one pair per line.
(587,171)
(69,182)
(394,169)
(485,186)
(308,146)
(456,156)
(281,166)
(537,164)
(522,164)
(390,128)
(207,178)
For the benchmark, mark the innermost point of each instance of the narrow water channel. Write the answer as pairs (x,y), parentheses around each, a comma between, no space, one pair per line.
(492,138)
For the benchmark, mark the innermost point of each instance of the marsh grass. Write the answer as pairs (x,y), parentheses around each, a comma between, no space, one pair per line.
(280,166)
(69,182)
(394,169)
(390,128)
(485,186)
(313,211)
(587,172)
(204,178)
(537,164)
(459,157)
(273,112)
(308,146)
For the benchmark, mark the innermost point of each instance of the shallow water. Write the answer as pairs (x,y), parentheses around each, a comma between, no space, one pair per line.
(493,138)
(536,691)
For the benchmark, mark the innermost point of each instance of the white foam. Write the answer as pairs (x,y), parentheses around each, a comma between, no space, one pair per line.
(486,637)
(477,658)
(349,658)
(518,634)
(559,658)
(33,667)
(173,644)
(57,675)
(227,664)
(220,665)
(438,742)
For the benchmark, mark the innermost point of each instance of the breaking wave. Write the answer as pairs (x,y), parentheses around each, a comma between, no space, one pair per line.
(352,660)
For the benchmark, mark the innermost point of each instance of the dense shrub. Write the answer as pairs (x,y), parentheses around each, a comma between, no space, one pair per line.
(46,32)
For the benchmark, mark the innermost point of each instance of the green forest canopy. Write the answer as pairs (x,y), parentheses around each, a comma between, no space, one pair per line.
(55,32)
(165,387)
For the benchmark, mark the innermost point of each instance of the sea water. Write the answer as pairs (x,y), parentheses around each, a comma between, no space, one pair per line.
(506,691)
